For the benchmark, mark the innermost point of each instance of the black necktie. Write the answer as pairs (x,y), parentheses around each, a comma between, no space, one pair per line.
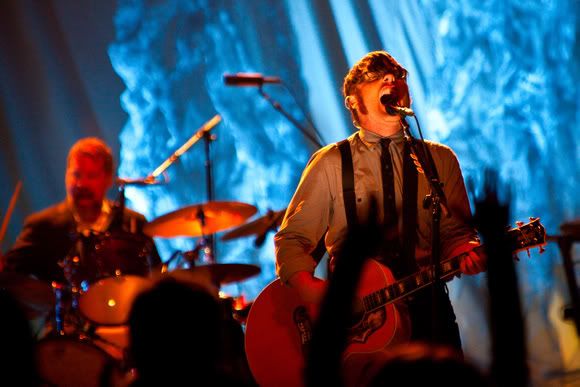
(389,204)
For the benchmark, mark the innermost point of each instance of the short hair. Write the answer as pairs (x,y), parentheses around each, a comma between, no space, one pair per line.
(369,68)
(372,63)
(94,148)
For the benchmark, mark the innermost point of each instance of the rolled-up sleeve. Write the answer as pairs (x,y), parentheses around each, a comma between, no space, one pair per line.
(306,220)
(456,230)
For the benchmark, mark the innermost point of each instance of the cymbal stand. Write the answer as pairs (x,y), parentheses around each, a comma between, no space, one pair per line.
(67,294)
(203,244)
(207,242)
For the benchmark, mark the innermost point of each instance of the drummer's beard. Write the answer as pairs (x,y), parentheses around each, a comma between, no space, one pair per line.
(86,205)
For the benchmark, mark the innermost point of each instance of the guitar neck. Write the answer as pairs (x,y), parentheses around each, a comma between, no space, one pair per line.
(520,238)
(408,285)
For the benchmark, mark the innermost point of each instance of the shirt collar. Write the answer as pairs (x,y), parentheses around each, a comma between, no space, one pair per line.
(371,138)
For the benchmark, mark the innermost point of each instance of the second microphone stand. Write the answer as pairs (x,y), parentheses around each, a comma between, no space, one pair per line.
(279,107)
(437,201)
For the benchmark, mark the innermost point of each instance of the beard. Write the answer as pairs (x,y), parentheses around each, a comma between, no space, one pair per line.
(84,199)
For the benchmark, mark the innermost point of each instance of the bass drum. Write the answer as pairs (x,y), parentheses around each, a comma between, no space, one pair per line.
(67,361)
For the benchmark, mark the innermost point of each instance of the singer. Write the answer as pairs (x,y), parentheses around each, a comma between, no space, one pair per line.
(322,208)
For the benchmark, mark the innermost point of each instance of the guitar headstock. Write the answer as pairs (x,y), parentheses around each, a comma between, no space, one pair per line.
(527,235)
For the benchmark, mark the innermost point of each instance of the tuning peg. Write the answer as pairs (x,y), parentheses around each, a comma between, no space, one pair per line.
(528,251)
(542,249)
(519,223)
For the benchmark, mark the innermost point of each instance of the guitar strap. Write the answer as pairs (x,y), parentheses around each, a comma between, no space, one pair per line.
(410,186)
(407,265)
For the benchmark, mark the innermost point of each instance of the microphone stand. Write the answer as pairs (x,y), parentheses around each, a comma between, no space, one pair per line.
(438,202)
(278,107)
(203,132)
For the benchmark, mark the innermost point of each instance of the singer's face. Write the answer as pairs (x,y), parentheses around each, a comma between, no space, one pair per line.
(87,182)
(370,93)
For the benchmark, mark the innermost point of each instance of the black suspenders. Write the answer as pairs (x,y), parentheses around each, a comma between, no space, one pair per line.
(407,265)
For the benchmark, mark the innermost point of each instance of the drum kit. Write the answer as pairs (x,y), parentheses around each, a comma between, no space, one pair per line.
(84,339)
(88,314)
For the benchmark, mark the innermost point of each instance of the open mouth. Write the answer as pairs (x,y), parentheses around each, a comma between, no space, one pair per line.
(83,196)
(388,99)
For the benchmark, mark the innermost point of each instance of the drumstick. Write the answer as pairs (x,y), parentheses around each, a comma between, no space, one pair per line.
(13,200)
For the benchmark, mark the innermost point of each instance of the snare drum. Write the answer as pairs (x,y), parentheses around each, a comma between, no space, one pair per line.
(69,361)
(118,253)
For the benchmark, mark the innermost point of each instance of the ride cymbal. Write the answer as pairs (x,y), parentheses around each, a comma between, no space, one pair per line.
(271,221)
(216,273)
(200,219)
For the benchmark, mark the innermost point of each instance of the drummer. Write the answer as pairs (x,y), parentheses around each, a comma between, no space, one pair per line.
(51,235)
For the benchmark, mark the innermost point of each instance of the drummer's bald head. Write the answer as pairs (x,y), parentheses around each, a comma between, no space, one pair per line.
(94,148)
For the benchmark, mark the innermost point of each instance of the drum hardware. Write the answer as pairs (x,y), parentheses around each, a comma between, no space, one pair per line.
(35,296)
(202,220)
(67,294)
(217,273)
(258,227)
(236,307)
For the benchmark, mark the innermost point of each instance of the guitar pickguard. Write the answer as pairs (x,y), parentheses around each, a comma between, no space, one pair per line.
(371,322)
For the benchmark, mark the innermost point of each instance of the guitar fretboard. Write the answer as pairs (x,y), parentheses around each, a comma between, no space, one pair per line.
(520,238)
(409,285)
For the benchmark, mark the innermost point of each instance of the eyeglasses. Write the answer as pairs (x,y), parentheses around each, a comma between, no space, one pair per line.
(371,76)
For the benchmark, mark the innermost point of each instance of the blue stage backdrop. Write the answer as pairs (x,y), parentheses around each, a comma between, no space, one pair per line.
(496,80)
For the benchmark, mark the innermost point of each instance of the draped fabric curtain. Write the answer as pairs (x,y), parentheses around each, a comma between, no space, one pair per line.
(56,85)
(495,80)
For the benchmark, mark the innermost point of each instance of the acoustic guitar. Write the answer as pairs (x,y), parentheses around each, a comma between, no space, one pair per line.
(279,328)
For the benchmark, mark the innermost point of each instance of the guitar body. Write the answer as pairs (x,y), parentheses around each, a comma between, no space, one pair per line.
(278,329)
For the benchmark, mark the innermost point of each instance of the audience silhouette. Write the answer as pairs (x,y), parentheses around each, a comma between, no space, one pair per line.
(17,360)
(177,337)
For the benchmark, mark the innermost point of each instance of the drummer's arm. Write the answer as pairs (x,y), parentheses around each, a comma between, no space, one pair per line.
(24,256)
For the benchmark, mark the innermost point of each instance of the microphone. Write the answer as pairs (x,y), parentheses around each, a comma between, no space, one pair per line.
(388,102)
(149,180)
(248,79)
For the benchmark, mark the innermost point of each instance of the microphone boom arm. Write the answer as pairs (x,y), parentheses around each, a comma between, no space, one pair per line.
(278,107)
(209,125)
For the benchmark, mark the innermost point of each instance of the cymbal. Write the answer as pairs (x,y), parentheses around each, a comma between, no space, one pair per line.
(216,273)
(258,227)
(35,296)
(200,219)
